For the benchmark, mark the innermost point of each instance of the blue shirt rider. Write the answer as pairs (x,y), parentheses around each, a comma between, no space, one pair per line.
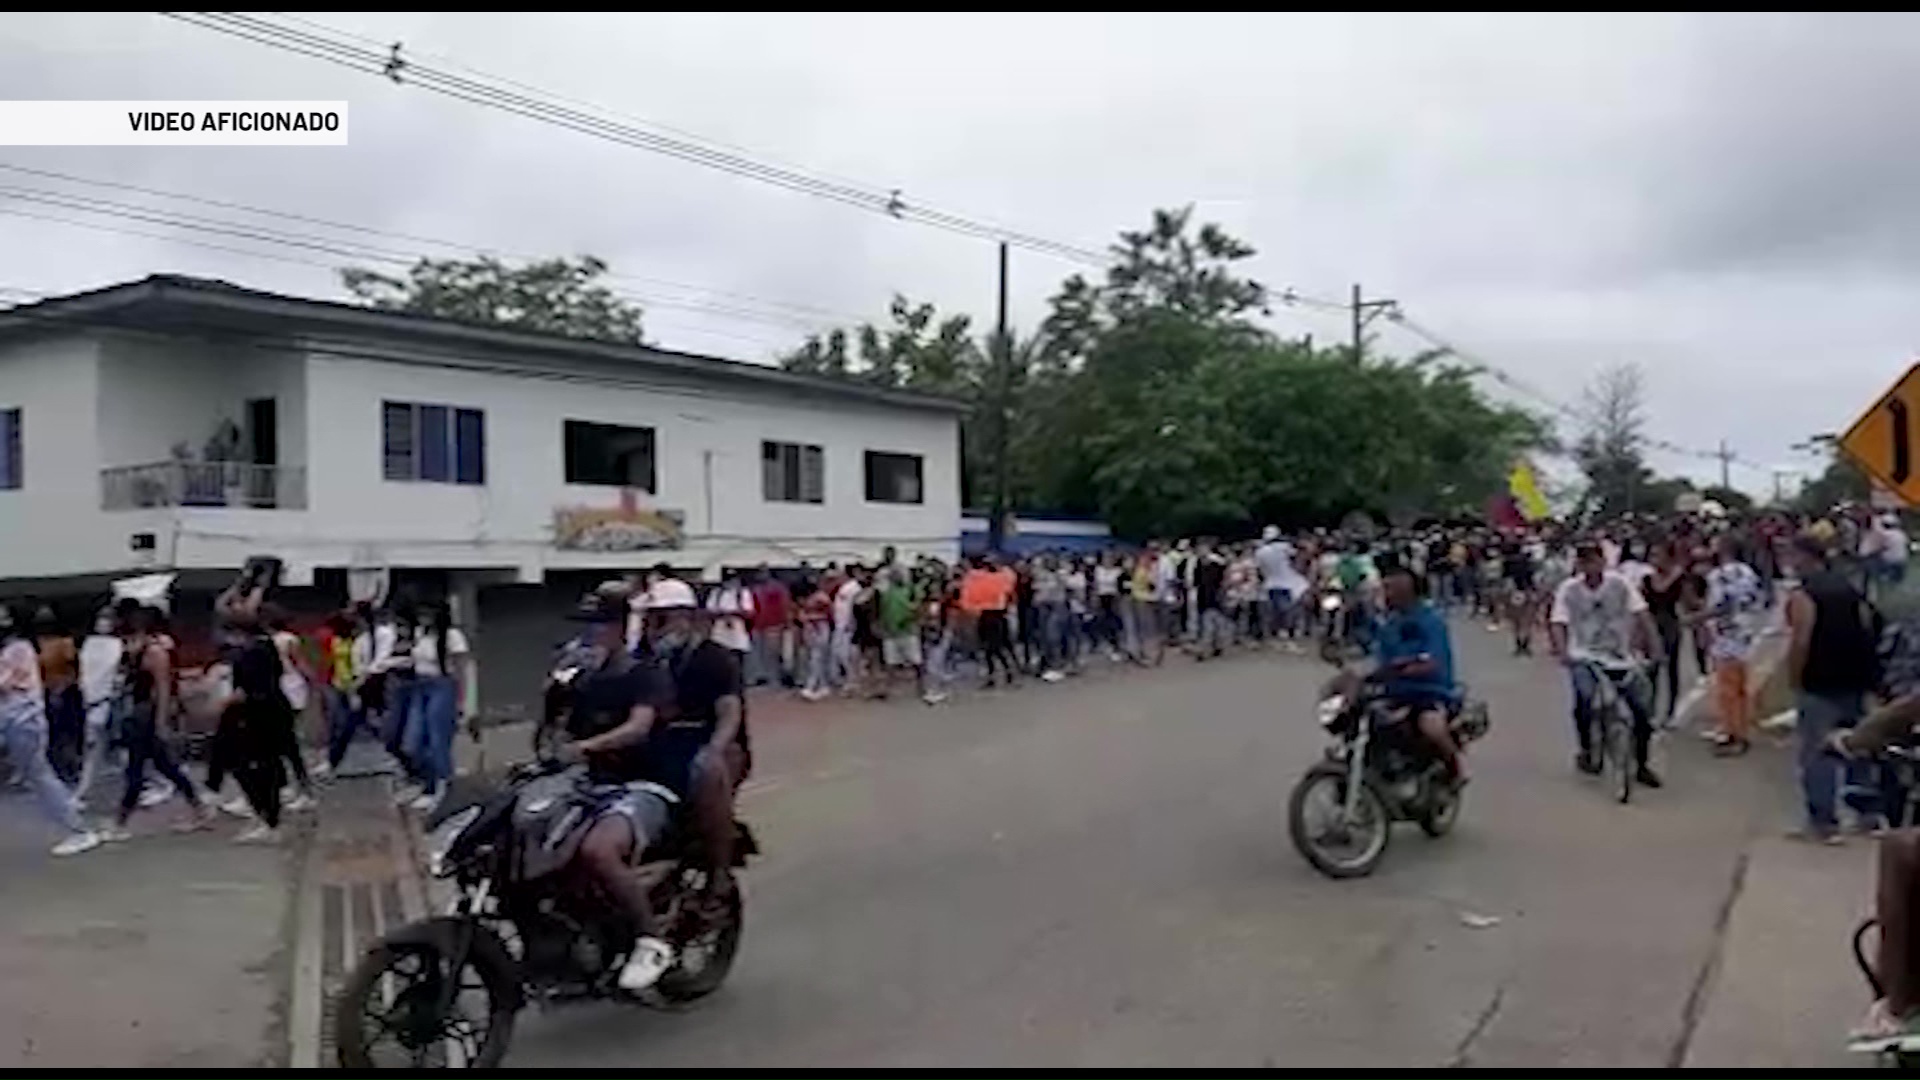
(1415,656)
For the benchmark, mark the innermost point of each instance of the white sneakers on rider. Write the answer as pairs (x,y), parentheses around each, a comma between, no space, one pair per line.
(651,959)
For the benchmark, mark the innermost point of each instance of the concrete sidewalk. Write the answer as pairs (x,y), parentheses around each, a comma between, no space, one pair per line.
(166,951)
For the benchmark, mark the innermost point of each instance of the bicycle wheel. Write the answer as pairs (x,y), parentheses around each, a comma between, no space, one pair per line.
(1619,751)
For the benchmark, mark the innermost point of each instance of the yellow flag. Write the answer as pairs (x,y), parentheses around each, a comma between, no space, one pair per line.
(1526,492)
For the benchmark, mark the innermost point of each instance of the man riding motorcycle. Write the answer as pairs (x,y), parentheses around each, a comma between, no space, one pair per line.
(674,717)
(1415,655)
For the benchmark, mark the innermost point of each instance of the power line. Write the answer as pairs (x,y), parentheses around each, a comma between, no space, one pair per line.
(494,92)
(414,238)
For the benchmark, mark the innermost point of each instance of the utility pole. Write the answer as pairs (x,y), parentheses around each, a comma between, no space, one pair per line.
(1364,311)
(1002,384)
(1726,462)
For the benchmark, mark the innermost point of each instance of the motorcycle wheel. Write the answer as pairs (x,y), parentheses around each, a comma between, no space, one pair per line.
(1373,824)
(392,994)
(1442,813)
(716,948)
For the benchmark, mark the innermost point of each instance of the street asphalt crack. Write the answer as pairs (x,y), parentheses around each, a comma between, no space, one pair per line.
(1463,1052)
(1710,965)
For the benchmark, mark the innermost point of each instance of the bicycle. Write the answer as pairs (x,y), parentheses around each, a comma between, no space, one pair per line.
(1615,715)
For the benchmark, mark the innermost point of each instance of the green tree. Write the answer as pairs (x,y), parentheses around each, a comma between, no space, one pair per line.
(553,296)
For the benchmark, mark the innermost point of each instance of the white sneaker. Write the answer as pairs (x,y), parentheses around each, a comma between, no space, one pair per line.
(113,834)
(299,803)
(405,794)
(259,833)
(320,770)
(1051,676)
(237,807)
(934,697)
(425,801)
(154,796)
(651,959)
(76,843)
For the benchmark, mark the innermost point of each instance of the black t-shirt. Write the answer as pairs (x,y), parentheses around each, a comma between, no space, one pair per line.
(602,701)
(1209,580)
(690,684)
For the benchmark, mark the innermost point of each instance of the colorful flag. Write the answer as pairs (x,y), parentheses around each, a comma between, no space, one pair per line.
(1526,491)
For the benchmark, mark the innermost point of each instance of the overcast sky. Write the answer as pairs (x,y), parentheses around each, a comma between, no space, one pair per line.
(1728,200)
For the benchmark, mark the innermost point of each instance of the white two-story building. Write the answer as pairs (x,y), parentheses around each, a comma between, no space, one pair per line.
(186,424)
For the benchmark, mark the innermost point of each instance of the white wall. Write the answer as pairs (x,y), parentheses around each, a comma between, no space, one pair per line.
(509,520)
(51,525)
(156,393)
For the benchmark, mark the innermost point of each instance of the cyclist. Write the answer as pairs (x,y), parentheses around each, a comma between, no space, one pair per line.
(1598,621)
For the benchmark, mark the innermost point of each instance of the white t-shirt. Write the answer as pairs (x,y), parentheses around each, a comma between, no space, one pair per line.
(1894,545)
(1106,580)
(1636,573)
(292,683)
(1276,567)
(1599,618)
(732,607)
(100,658)
(426,651)
(843,604)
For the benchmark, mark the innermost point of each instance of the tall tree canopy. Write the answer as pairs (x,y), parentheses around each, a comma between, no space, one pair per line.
(1152,398)
(555,296)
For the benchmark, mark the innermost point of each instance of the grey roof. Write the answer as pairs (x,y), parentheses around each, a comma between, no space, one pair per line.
(172,302)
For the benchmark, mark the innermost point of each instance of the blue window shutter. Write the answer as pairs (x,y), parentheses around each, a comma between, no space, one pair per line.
(470,446)
(12,468)
(436,443)
(397,442)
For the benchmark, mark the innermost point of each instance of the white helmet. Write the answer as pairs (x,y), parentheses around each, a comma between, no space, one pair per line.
(669,593)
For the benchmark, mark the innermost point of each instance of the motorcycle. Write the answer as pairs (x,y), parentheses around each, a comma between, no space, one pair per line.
(1339,628)
(528,925)
(1379,770)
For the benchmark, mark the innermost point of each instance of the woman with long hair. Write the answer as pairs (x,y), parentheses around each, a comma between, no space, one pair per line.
(147,705)
(442,663)
(23,730)
(1666,590)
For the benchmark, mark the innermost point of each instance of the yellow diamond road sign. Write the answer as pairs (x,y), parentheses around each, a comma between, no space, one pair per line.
(1883,440)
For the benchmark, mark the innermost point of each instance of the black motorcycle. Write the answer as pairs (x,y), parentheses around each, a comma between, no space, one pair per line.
(1379,770)
(528,925)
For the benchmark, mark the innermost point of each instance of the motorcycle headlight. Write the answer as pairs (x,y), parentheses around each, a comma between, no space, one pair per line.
(1331,708)
(441,842)
(1330,602)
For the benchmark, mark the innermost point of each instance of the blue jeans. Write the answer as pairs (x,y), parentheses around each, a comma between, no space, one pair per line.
(1632,689)
(432,719)
(1820,772)
(345,716)
(23,727)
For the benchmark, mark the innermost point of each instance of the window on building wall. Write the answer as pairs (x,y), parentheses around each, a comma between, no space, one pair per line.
(893,478)
(13,469)
(793,472)
(610,455)
(436,444)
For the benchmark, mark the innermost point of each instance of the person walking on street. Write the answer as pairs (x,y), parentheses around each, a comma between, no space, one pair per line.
(1209,598)
(66,713)
(443,680)
(296,684)
(254,712)
(100,657)
(147,708)
(1667,591)
(1833,664)
(816,638)
(1734,599)
(23,729)
(773,645)
(1050,617)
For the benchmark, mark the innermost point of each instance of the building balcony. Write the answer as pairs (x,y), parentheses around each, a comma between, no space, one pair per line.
(185,483)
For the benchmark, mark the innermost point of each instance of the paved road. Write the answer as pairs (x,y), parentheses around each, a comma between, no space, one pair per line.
(1097,874)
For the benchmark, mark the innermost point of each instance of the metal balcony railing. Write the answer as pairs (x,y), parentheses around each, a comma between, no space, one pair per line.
(184,483)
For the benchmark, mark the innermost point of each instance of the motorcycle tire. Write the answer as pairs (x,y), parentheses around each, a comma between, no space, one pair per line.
(1441,814)
(680,986)
(432,939)
(1374,806)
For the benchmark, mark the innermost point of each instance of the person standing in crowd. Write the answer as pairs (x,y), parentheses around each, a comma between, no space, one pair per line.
(986,592)
(1284,585)
(773,645)
(396,671)
(1107,580)
(1074,577)
(346,712)
(937,603)
(1833,664)
(1171,570)
(730,607)
(23,729)
(1734,598)
(897,618)
(442,684)
(296,683)
(66,713)
(845,588)
(1049,606)
(147,708)
(100,656)
(816,632)
(1666,589)
(870,664)
(1209,600)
